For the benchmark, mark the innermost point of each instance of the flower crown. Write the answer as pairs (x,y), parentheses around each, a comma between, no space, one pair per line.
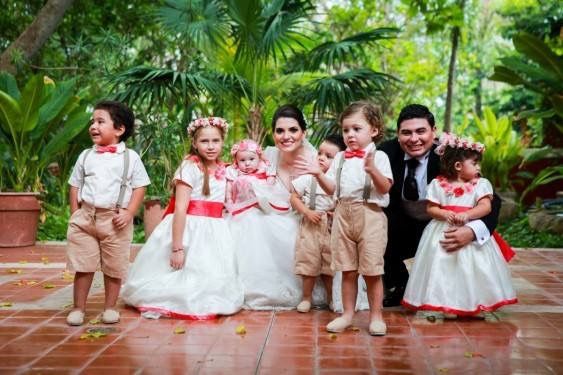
(453,141)
(246,145)
(203,122)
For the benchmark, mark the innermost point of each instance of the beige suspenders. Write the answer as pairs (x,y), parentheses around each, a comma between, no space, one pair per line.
(123,186)
(367,182)
(313,195)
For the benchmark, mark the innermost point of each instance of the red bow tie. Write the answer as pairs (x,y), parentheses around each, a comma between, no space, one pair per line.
(102,149)
(354,154)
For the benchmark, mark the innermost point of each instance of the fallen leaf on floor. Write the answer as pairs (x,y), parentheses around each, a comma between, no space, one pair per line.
(23,262)
(332,336)
(355,329)
(434,346)
(45,260)
(6,304)
(67,276)
(68,305)
(93,335)
(94,321)
(240,330)
(472,354)
(48,286)
(18,283)
(443,369)
(179,331)
(30,282)
(12,270)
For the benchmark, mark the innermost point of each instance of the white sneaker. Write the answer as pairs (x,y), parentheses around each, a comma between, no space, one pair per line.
(338,325)
(75,318)
(110,316)
(304,306)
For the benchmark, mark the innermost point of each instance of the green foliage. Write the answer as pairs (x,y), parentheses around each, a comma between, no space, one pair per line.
(55,225)
(518,233)
(538,68)
(503,148)
(37,124)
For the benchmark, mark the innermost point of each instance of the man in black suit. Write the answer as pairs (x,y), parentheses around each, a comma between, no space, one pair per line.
(414,165)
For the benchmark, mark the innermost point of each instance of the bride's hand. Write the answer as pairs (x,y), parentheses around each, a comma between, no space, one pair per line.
(305,166)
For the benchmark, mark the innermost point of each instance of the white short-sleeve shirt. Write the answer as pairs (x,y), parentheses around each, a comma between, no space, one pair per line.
(352,177)
(302,186)
(98,178)
(189,173)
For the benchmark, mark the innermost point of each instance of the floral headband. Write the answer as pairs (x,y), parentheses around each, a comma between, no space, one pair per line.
(246,145)
(203,122)
(453,141)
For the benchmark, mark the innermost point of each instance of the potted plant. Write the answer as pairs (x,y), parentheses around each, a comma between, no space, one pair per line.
(37,124)
(161,146)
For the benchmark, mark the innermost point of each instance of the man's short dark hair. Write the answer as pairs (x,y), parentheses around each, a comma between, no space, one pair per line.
(415,111)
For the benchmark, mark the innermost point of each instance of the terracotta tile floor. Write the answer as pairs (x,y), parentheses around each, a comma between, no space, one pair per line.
(35,294)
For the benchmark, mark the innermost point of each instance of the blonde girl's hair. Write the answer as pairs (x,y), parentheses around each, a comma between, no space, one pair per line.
(372,114)
(196,158)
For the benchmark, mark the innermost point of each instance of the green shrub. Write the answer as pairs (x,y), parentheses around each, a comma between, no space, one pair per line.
(518,233)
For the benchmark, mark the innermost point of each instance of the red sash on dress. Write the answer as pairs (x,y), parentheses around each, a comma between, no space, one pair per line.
(197,208)
(505,248)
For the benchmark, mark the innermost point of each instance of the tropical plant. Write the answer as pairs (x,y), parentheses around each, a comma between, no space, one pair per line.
(37,124)
(503,147)
(237,48)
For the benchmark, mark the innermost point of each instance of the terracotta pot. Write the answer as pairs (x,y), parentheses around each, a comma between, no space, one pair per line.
(152,215)
(19,217)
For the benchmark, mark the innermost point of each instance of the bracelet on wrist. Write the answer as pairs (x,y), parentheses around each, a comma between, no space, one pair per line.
(177,250)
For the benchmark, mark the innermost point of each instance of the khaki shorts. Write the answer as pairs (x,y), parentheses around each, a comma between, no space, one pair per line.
(359,238)
(312,248)
(94,242)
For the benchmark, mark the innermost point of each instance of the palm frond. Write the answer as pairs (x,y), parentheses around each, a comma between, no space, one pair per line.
(155,85)
(203,22)
(334,54)
(331,94)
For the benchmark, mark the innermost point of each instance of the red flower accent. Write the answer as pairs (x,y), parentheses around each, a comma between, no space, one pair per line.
(458,191)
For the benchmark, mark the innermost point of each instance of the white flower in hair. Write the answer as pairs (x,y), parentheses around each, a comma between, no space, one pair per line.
(453,141)
(207,121)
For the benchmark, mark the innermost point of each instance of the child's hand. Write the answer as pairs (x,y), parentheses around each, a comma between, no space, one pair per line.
(369,165)
(461,219)
(449,217)
(313,216)
(177,259)
(122,218)
(304,166)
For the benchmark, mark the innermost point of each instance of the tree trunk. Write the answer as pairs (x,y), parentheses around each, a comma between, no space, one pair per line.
(254,128)
(35,35)
(479,95)
(451,79)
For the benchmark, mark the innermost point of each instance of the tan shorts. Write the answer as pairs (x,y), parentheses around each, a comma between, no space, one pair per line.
(359,238)
(312,248)
(94,242)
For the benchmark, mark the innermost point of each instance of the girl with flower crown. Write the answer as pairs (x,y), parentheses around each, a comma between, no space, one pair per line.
(476,278)
(187,267)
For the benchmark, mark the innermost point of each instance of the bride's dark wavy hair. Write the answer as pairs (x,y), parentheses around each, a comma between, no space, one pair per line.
(289,111)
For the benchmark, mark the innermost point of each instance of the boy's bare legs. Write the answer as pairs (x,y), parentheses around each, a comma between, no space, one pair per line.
(327,281)
(349,293)
(82,284)
(112,287)
(308,285)
(374,284)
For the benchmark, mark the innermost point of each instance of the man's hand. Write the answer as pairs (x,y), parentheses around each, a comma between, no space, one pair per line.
(457,237)
(122,218)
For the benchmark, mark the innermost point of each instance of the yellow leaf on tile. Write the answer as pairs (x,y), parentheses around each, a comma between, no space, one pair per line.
(240,330)
(18,283)
(179,331)
(45,260)
(48,286)
(355,329)
(443,369)
(23,262)
(94,321)
(332,336)
(468,355)
(12,270)
(6,304)
(30,282)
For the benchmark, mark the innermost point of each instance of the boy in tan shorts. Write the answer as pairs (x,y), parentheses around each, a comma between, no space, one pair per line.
(312,248)
(107,187)
(360,179)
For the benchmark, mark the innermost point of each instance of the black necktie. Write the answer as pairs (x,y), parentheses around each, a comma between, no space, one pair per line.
(410,187)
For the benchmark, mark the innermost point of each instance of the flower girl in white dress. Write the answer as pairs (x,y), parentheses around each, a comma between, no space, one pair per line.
(476,278)
(187,267)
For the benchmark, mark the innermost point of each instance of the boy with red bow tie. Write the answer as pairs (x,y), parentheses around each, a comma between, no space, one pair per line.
(360,179)
(107,187)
